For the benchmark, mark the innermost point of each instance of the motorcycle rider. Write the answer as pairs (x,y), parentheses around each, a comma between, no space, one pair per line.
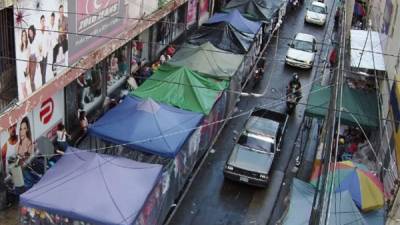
(295,84)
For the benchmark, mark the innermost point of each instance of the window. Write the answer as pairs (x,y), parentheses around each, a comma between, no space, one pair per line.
(8,79)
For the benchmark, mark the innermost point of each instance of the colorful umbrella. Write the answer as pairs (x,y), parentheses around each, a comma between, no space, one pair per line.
(365,188)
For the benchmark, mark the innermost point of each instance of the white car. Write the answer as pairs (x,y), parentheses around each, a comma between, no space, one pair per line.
(301,52)
(316,13)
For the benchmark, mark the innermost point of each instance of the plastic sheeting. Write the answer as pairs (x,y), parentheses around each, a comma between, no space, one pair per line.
(183,88)
(258,10)
(223,36)
(175,170)
(147,126)
(94,188)
(343,210)
(208,59)
(356,104)
(236,20)
(366,50)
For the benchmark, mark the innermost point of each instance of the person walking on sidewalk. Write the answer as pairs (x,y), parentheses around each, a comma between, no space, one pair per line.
(333,59)
(62,135)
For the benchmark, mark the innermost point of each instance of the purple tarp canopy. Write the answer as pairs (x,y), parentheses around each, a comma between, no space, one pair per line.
(94,188)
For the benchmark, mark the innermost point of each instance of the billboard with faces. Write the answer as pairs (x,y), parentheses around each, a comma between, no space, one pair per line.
(52,35)
(41,43)
(20,139)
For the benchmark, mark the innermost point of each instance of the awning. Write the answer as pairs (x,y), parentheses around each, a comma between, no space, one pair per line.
(95,188)
(343,211)
(147,126)
(208,59)
(256,10)
(237,20)
(366,50)
(224,36)
(356,103)
(183,88)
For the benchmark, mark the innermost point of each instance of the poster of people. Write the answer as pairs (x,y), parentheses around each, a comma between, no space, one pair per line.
(192,12)
(203,9)
(41,43)
(19,143)
(387,16)
(17,146)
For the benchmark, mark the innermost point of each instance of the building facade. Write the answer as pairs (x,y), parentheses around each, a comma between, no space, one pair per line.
(66,56)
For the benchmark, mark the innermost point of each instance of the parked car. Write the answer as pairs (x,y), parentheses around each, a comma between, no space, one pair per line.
(301,52)
(253,154)
(316,13)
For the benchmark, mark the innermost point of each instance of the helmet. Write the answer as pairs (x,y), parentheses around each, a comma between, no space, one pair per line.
(295,77)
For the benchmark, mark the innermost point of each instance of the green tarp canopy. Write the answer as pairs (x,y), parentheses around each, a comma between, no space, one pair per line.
(356,103)
(183,88)
(207,59)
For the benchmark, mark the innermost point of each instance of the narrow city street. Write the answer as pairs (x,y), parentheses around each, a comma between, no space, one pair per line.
(211,199)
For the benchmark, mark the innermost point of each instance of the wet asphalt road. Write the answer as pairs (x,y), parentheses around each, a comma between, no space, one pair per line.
(213,200)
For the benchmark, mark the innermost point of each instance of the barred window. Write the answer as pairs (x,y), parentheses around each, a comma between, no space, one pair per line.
(8,80)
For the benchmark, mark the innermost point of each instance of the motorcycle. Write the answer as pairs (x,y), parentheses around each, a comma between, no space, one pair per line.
(293,4)
(293,96)
(259,73)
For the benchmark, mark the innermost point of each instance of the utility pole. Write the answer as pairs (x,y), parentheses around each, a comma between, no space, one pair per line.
(321,201)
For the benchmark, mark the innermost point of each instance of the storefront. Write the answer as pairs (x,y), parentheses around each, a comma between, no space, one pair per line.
(30,139)
(168,30)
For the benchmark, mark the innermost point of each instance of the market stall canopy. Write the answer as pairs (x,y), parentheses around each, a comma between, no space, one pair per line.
(357,106)
(366,50)
(236,20)
(147,126)
(208,59)
(364,186)
(257,10)
(183,88)
(342,212)
(223,36)
(94,188)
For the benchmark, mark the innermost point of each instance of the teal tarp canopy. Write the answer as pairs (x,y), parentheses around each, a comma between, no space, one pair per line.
(208,59)
(343,211)
(183,88)
(256,10)
(357,106)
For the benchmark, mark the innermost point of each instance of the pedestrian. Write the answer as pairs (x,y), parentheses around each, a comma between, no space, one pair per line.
(83,122)
(333,59)
(163,58)
(336,22)
(62,136)
(170,50)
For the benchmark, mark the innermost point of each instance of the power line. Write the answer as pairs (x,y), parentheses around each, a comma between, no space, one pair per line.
(154,138)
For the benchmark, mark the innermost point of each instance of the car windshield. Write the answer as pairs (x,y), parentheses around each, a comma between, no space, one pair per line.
(317,9)
(303,45)
(258,142)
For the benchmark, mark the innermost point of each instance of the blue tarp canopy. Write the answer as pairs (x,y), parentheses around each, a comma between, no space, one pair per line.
(147,126)
(95,188)
(236,20)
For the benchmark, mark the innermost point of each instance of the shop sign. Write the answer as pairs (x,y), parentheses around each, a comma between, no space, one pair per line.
(102,20)
(48,115)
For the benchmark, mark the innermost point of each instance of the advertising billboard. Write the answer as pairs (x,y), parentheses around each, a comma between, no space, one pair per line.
(41,43)
(48,115)
(203,10)
(22,140)
(52,35)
